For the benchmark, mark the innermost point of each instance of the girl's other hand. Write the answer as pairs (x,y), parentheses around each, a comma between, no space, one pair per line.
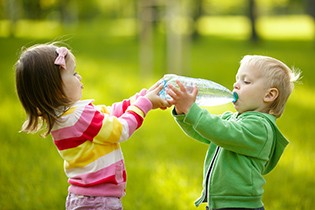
(181,98)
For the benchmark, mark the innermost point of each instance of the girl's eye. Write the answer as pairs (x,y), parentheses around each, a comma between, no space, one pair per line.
(246,82)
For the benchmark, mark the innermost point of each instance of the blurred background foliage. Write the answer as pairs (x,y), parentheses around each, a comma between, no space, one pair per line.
(122,46)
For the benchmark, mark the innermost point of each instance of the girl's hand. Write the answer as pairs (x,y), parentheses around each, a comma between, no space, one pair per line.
(155,85)
(153,95)
(181,98)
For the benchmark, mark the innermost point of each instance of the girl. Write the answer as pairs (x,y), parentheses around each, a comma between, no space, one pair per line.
(87,136)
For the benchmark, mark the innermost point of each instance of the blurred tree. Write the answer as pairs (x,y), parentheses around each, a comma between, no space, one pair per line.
(13,11)
(196,14)
(252,13)
(64,11)
(32,9)
(310,8)
(174,36)
(145,9)
(175,21)
(87,10)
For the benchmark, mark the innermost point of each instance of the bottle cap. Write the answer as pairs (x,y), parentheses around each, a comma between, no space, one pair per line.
(235,97)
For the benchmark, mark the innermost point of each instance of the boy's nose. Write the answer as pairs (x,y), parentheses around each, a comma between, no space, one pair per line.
(236,85)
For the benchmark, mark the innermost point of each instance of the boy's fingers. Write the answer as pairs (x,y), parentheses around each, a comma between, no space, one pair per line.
(170,102)
(181,86)
(195,91)
(174,90)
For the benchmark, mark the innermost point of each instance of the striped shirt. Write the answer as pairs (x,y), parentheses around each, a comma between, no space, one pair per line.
(88,139)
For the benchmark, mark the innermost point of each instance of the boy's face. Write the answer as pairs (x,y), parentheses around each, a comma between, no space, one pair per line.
(251,87)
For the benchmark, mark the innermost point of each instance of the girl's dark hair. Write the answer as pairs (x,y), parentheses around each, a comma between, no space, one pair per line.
(39,87)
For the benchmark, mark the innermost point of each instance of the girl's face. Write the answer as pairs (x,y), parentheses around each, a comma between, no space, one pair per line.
(72,85)
(251,87)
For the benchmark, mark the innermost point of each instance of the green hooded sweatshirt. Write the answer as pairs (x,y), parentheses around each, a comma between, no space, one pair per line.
(242,148)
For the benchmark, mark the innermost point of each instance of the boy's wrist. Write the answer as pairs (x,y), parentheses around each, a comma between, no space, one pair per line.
(191,114)
(178,112)
(175,112)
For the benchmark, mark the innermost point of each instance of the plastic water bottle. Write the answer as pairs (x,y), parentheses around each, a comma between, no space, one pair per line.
(209,92)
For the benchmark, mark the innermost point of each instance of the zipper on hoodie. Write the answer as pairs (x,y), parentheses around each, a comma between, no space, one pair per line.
(209,173)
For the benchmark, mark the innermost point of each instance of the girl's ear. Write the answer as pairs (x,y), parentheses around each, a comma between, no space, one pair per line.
(271,95)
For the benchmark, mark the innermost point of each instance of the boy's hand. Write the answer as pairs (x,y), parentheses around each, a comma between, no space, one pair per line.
(153,95)
(181,98)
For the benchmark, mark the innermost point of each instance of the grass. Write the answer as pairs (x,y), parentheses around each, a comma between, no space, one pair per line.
(164,166)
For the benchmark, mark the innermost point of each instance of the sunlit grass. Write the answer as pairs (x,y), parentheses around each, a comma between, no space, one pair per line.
(171,182)
(31,29)
(303,96)
(169,177)
(286,27)
(238,27)
(124,27)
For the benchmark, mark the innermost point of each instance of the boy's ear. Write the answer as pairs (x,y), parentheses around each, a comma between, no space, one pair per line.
(271,95)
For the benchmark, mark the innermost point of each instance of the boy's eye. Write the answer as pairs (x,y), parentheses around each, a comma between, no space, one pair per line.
(75,73)
(246,82)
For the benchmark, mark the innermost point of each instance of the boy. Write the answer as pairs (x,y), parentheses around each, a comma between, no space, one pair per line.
(245,145)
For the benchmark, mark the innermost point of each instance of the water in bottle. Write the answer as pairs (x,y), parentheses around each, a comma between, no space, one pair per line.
(209,92)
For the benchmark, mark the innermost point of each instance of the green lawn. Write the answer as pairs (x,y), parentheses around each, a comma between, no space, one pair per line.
(164,166)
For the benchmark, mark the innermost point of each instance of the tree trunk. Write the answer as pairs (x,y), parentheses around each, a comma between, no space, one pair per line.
(253,16)
(310,8)
(146,37)
(197,13)
(12,8)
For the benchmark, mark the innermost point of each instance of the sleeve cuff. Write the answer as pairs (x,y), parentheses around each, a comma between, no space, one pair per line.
(136,110)
(144,104)
(192,114)
(179,117)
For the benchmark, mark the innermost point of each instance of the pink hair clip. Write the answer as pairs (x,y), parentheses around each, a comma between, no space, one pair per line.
(60,60)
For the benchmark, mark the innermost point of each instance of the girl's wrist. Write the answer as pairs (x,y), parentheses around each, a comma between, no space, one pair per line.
(144,104)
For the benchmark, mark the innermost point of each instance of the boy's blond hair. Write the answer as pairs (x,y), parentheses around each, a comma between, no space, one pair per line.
(278,75)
